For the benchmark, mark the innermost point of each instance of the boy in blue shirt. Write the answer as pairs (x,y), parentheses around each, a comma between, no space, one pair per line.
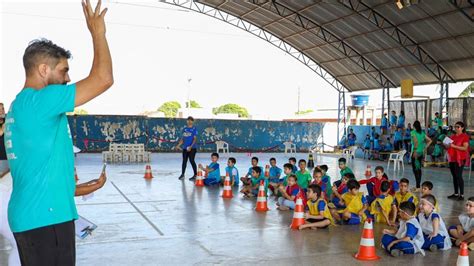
(275,173)
(246,179)
(292,161)
(212,171)
(250,189)
(398,139)
(384,124)
(326,179)
(232,171)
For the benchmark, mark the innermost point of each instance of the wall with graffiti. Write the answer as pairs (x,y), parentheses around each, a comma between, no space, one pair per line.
(93,133)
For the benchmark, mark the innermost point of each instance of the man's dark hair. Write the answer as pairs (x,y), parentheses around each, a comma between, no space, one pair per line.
(317,170)
(428,185)
(43,50)
(288,165)
(257,169)
(385,186)
(349,176)
(232,159)
(255,158)
(272,159)
(408,207)
(293,176)
(215,154)
(352,183)
(302,161)
(342,160)
(324,167)
(379,168)
(292,159)
(190,118)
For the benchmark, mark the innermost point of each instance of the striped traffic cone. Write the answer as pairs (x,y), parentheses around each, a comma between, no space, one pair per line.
(267,171)
(199,181)
(75,175)
(367,243)
(148,174)
(463,257)
(261,198)
(227,193)
(298,214)
(368,171)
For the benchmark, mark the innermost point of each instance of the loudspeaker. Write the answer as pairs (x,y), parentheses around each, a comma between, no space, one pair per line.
(406,86)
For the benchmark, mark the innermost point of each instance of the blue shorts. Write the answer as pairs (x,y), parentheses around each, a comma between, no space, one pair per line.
(355,219)
(255,192)
(211,181)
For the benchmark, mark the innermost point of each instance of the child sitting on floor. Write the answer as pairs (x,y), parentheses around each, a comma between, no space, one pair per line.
(374,183)
(338,192)
(344,169)
(288,199)
(318,214)
(434,230)
(464,231)
(404,194)
(292,161)
(287,170)
(232,171)
(326,179)
(303,175)
(274,173)
(409,237)
(318,180)
(250,189)
(384,206)
(212,171)
(355,205)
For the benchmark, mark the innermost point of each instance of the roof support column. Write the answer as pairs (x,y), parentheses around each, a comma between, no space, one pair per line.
(341,116)
(444,101)
(385,100)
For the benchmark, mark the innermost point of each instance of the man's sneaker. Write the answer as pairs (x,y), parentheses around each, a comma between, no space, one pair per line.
(396,252)
(454,196)
(461,198)
(433,248)
(192,178)
(181,177)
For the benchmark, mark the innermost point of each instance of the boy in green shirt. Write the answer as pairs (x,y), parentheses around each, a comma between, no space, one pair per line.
(344,170)
(303,176)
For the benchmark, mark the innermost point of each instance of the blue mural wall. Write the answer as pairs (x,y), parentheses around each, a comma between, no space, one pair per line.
(93,133)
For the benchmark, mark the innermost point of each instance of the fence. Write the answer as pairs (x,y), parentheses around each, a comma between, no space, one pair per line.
(93,133)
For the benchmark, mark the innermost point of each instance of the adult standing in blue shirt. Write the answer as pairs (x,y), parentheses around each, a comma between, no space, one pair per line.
(38,143)
(188,140)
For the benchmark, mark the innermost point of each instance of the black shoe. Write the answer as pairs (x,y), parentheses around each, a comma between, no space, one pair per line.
(181,177)
(454,196)
(192,178)
(461,198)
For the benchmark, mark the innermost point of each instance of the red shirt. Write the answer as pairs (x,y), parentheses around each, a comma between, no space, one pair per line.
(377,184)
(294,191)
(456,155)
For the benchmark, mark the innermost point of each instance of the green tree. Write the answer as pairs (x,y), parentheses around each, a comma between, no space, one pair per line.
(304,112)
(467,91)
(231,108)
(170,109)
(194,104)
(78,111)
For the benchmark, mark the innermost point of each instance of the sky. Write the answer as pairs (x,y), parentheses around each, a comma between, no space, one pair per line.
(157,47)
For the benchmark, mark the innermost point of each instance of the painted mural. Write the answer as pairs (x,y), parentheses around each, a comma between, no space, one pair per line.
(93,133)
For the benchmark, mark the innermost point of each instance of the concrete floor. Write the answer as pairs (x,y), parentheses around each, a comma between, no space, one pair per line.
(166,221)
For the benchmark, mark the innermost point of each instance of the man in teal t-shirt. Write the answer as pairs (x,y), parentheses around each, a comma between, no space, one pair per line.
(38,142)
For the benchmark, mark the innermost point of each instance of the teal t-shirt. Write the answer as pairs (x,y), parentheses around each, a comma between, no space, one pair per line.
(345,171)
(39,150)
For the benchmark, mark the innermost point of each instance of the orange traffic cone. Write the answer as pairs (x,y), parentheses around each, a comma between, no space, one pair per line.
(227,194)
(261,199)
(367,243)
(298,214)
(368,171)
(463,257)
(267,170)
(199,181)
(75,175)
(148,174)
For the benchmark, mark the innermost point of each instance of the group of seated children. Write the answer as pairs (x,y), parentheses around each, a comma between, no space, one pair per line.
(420,226)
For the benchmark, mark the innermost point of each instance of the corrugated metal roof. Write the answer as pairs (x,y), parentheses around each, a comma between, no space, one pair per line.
(438,27)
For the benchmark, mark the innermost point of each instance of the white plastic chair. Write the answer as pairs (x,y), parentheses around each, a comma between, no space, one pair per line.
(397,158)
(289,147)
(222,146)
(350,152)
(117,156)
(107,156)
